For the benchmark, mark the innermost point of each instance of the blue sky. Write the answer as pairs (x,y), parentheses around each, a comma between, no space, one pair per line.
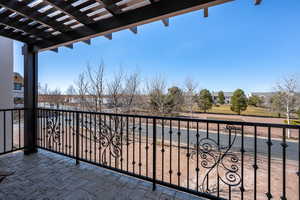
(238,46)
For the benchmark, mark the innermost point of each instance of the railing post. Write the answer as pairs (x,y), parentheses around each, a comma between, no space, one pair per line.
(154,154)
(77,138)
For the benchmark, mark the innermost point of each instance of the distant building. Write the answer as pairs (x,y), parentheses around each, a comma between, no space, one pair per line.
(265,96)
(18,89)
(227,96)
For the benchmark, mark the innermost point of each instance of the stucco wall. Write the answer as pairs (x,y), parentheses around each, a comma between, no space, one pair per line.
(6,86)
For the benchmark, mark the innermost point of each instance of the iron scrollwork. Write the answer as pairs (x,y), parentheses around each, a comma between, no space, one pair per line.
(219,159)
(108,138)
(53,133)
(107,135)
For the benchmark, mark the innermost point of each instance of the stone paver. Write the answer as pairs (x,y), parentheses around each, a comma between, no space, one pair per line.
(48,176)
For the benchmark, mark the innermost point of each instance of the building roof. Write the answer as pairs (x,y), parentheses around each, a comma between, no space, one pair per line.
(265,94)
(49,24)
(226,94)
(17,78)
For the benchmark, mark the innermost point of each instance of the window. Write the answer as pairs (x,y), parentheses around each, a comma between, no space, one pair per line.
(17,86)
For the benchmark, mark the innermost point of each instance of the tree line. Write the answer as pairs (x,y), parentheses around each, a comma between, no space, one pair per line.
(124,93)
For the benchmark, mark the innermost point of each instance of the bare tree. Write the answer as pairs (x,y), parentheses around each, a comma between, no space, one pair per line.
(288,89)
(82,90)
(115,90)
(131,91)
(96,85)
(52,97)
(90,88)
(70,95)
(43,89)
(71,90)
(55,97)
(156,91)
(190,90)
(276,103)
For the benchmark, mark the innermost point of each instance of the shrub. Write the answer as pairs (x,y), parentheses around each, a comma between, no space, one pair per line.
(293,122)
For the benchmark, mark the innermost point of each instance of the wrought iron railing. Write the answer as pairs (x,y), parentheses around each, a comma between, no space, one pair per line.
(209,158)
(11,130)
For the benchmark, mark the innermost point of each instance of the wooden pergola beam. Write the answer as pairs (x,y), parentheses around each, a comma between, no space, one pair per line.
(134,29)
(165,21)
(23,26)
(21,8)
(110,6)
(150,13)
(205,12)
(258,2)
(71,11)
(45,40)
(14,35)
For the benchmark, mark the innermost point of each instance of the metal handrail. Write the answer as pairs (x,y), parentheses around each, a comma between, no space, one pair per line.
(259,124)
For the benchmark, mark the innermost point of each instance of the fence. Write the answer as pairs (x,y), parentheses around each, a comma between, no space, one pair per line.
(11,130)
(209,158)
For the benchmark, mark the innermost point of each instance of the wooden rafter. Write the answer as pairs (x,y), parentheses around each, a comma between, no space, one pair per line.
(14,35)
(110,6)
(153,12)
(23,25)
(71,11)
(258,2)
(21,8)
(53,23)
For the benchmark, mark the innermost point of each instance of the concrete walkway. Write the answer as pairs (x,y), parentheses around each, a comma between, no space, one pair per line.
(48,176)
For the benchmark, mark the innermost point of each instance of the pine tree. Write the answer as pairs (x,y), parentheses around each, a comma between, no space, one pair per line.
(255,101)
(204,100)
(238,101)
(221,98)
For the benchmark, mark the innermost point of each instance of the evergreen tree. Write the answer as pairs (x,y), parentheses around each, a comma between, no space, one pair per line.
(174,99)
(166,103)
(255,101)
(204,100)
(239,101)
(221,98)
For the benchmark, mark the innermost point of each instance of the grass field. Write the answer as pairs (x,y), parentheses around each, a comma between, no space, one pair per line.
(251,110)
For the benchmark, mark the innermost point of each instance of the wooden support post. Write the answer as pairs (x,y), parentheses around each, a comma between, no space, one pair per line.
(258,2)
(205,12)
(30,98)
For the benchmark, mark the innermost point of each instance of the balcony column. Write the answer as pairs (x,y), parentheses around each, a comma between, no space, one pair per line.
(30,98)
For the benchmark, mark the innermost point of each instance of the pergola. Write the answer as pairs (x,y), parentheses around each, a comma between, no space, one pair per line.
(50,24)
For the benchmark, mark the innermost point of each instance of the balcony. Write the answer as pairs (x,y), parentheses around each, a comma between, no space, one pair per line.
(164,156)
(47,175)
(89,155)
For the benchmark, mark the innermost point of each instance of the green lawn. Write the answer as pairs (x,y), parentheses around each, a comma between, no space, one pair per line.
(251,110)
